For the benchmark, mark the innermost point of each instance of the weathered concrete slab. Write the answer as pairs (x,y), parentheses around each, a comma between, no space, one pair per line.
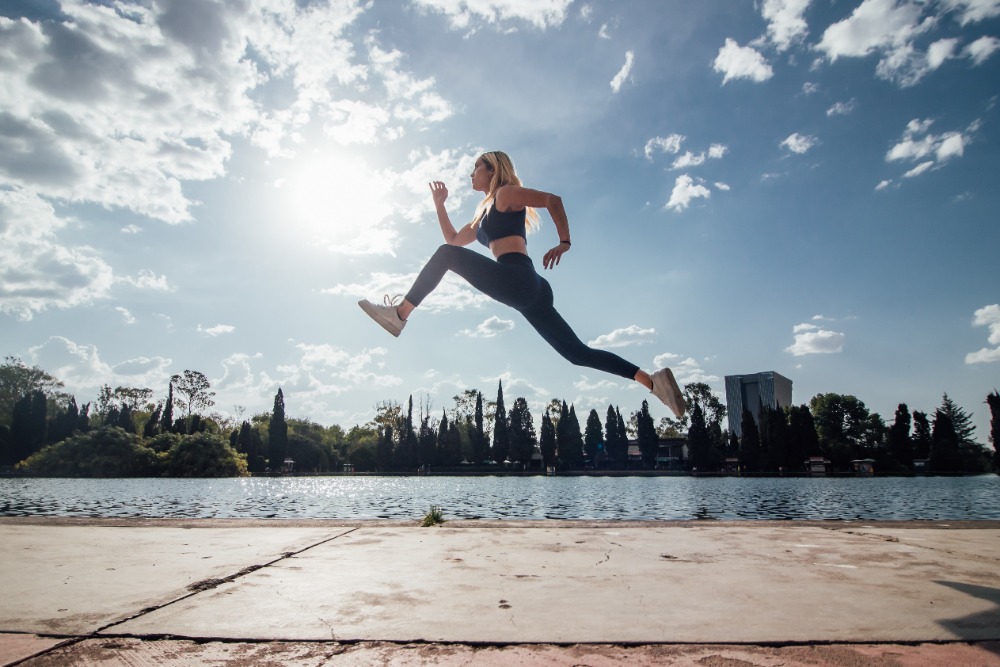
(14,648)
(607,585)
(126,652)
(73,580)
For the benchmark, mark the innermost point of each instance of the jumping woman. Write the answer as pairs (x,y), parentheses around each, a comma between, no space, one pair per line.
(500,224)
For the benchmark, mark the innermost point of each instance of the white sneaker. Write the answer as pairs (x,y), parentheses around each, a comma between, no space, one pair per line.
(387,316)
(665,388)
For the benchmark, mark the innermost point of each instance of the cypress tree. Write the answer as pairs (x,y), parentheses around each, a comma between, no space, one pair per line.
(749,443)
(522,433)
(993,400)
(277,433)
(442,441)
(547,441)
(649,441)
(592,442)
(478,435)
(611,441)
(383,450)
(501,430)
(152,426)
(921,437)
(945,455)
(900,444)
(28,425)
(167,420)
(698,440)
(622,438)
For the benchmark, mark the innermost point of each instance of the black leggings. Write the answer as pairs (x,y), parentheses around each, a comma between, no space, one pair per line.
(513,281)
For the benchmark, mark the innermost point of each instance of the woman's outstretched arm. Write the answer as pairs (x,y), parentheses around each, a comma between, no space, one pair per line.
(465,235)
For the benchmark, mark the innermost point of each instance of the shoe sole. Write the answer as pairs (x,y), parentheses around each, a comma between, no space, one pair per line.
(675,391)
(375,315)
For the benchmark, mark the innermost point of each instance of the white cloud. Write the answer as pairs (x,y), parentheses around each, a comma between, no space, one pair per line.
(36,271)
(217,330)
(919,169)
(489,328)
(810,339)
(668,144)
(147,280)
(685,190)
(623,74)
(887,27)
(987,316)
(785,23)
(127,317)
(882,185)
(741,62)
(541,14)
(717,151)
(630,335)
(981,49)
(689,159)
(918,144)
(799,143)
(974,10)
(841,108)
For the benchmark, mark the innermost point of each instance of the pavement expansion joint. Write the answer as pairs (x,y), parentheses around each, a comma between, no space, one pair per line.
(209,584)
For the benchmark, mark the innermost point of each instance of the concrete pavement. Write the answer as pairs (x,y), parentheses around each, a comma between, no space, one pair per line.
(240,592)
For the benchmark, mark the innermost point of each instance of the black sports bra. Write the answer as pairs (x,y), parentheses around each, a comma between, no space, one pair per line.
(497,225)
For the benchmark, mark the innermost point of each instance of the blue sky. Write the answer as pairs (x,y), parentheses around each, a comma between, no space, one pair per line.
(803,186)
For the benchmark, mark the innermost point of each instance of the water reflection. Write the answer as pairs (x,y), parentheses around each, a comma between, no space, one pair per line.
(614,498)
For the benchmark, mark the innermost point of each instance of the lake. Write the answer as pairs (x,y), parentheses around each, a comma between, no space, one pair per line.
(501,497)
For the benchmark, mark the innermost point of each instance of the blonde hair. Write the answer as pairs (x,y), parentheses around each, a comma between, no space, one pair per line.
(502,168)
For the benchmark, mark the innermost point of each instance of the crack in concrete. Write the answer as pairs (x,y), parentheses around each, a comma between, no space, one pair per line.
(194,589)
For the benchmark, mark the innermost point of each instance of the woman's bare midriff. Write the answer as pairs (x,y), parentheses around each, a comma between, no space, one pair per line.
(509,244)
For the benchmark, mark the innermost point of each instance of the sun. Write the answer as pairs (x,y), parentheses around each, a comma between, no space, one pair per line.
(340,202)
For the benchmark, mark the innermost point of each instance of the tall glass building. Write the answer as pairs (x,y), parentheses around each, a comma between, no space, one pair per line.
(768,389)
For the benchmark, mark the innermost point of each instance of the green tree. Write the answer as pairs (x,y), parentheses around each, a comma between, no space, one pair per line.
(899,442)
(802,435)
(29,423)
(649,440)
(18,380)
(167,419)
(699,445)
(961,421)
(106,452)
(501,430)
(921,437)
(750,455)
(406,449)
(774,441)
(617,449)
(993,401)
(427,441)
(277,433)
(478,435)
(523,440)
(383,451)
(547,441)
(204,455)
(593,438)
(569,439)
(195,391)
(846,429)
(945,455)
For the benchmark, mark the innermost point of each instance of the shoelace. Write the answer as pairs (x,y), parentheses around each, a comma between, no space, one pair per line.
(392,302)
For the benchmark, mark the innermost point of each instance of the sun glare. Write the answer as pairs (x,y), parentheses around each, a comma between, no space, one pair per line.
(340,203)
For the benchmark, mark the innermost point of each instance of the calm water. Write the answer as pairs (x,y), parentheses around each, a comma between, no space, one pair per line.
(634,498)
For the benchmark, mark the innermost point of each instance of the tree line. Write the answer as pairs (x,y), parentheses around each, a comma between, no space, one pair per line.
(126,433)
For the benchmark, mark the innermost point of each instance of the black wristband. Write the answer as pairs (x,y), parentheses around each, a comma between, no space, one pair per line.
(566,242)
